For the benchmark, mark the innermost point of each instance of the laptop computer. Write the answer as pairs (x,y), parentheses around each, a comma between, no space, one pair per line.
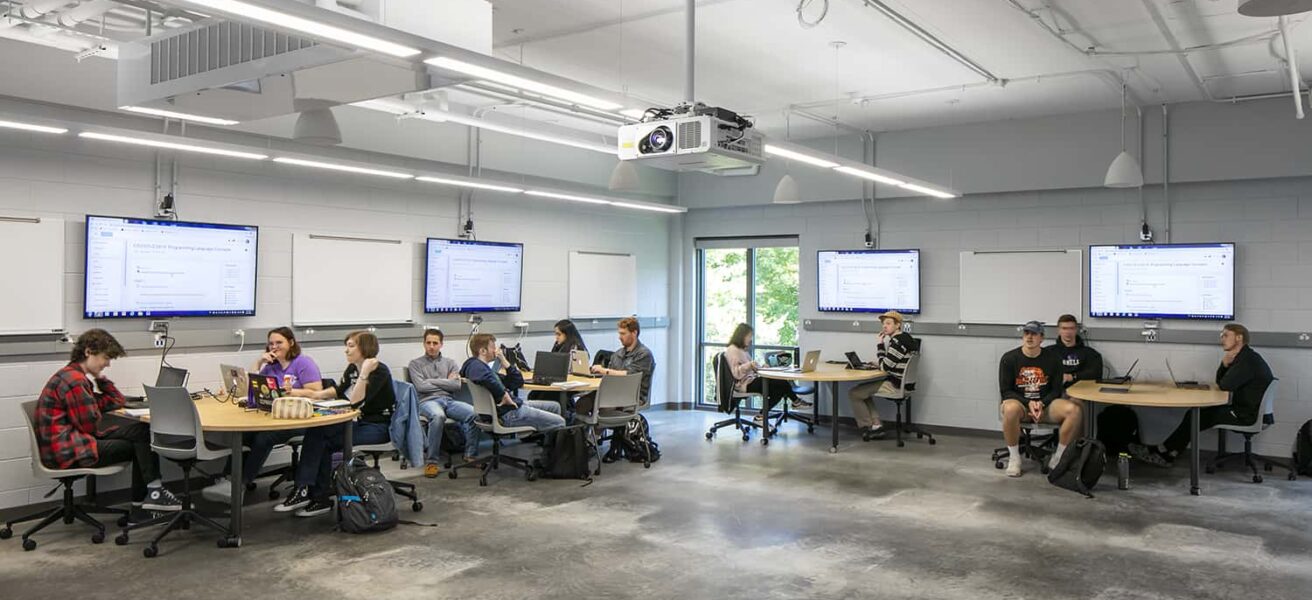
(167,377)
(262,391)
(234,379)
(809,362)
(579,365)
(550,367)
(1123,379)
(855,362)
(1184,385)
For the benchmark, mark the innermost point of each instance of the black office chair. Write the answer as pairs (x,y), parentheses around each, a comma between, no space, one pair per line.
(800,388)
(730,401)
(903,396)
(1038,441)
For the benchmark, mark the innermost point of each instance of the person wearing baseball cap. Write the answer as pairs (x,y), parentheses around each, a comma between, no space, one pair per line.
(893,353)
(1030,379)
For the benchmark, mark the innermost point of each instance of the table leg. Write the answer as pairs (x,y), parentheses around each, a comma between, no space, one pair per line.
(833,415)
(346,457)
(1194,417)
(564,403)
(1090,423)
(238,491)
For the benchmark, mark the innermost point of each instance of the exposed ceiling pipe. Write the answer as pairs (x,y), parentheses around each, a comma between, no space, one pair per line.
(932,40)
(1291,58)
(85,11)
(1174,44)
(1101,74)
(690,51)
(37,8)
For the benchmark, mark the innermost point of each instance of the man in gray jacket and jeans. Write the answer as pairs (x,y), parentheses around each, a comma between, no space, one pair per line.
(436,378)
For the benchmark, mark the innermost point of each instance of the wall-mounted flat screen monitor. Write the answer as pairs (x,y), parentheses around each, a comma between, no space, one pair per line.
(1163,281)
(868,281)
(159,268)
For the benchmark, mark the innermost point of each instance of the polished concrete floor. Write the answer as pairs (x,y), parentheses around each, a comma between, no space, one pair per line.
(724,519)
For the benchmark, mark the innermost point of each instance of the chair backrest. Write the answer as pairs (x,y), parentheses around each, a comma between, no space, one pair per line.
(619,391)
(403,374)
(723,382)
(484,405)
(29,414)
(1268,402)
(173,418)
(909,373)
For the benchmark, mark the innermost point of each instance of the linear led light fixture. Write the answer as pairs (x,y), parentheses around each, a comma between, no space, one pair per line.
(122,139)
(155,112)
(481,72)
(869,175)
(570,197)
(309,27)
(470,184)
(799,157)
(441,116)
(653,207)
(926,191)
(346,168)
(31,127)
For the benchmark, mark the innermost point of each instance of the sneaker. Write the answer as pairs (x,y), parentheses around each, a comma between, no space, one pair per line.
(801,404)
(297,499)
(1013,468)
(875,433)
(219,491)
(1147,455)
(759,418)
(139,515)
(431,470)
(315,508)
(160,499)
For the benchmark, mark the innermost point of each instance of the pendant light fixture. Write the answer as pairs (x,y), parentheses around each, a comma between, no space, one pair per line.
(787,192)
(1124,171)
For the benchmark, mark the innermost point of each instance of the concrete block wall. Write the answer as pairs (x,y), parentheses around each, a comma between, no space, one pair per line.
(1269,220)
(69,178)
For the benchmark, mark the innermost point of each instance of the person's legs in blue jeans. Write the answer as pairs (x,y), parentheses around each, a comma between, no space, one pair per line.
(463,413)
(538,414)
(436,415)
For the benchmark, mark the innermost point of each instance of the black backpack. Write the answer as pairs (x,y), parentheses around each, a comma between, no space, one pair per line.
(453,439)
(566,455)
(364,498)
(1080,467)
(634,442)
(1303,450)
(1118,427)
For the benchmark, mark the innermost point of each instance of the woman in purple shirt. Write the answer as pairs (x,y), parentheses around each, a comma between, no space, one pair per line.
(295,372)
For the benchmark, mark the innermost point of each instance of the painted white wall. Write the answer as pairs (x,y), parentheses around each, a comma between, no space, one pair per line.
(69,178)
(1269,219)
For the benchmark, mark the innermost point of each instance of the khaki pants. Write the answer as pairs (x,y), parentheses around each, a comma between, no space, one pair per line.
(863,406)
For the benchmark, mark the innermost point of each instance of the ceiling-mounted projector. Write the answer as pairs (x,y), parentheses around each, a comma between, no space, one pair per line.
(692,138)
(1273,8)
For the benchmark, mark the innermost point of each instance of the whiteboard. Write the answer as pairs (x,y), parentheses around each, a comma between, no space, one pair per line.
(344,280)
(602,285)
(1012,287)
(33,259)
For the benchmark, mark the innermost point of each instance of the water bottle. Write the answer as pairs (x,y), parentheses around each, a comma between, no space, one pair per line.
(1123,471)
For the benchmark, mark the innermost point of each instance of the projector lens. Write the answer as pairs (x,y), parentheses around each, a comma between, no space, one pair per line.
(659,140)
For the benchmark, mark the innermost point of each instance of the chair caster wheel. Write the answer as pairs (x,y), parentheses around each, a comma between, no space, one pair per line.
(765,441)
(6,533)
(274,494)
(417,506)
(920,436)
(709,435)
(647,465)
(250,487)
(29,545)
(1044,469)
(1293,477)
(122,521)
(451,474)
(833,450)
(1209,470)
(746,437)
(530,476)
(932,441)
(482,483)
(150,551)
(121,539)
(1268,468)
(98,537)
(997,464)
(1257,479)
(810,430)
(901,444)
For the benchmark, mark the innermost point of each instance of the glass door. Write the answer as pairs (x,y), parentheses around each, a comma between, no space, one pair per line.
(746,280)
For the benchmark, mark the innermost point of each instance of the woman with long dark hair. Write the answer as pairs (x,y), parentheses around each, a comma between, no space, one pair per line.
(744,369)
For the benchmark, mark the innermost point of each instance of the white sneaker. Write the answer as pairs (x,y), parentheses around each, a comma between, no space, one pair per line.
(1052,462)
(219,491)
(1013,468)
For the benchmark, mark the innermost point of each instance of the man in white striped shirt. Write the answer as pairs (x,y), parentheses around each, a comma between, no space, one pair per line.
(894,351)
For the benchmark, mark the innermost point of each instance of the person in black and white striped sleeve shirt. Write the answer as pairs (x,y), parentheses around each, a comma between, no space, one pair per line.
(894,351)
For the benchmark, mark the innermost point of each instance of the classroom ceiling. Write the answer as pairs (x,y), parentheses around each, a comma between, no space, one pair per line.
(808,68)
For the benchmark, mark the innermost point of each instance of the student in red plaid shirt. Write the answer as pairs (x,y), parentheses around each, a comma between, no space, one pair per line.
(71,432)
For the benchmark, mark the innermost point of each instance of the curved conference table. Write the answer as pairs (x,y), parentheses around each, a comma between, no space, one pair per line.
(1153,394)
(833,374)
(582,385)
(218,415)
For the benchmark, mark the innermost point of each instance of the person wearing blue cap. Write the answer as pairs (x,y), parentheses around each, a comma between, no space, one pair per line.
(1030,379)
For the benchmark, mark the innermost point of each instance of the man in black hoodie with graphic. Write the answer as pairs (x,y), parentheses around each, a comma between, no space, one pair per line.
(1078,361)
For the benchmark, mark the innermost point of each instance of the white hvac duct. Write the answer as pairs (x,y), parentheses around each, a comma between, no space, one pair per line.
(34,10)
(85,12)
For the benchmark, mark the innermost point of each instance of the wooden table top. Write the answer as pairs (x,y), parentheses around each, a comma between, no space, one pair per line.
(225,416)
(1149,393)
(825,372)
(590,384)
